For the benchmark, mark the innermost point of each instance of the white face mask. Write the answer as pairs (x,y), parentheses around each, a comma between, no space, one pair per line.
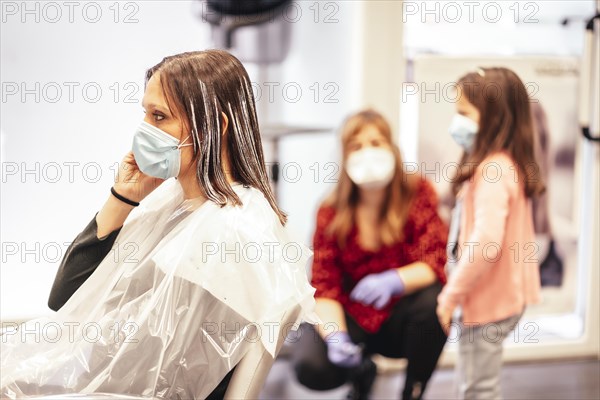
(371,167)
(463,130)
(156,152)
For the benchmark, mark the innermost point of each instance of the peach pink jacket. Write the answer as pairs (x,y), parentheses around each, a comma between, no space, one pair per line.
(497,270)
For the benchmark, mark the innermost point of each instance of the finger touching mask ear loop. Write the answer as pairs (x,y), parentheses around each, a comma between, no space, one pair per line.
(184,145)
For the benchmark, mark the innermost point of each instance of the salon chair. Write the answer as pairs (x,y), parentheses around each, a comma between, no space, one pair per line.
(251,372)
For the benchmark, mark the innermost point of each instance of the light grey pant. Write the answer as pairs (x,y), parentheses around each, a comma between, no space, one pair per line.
(480,358)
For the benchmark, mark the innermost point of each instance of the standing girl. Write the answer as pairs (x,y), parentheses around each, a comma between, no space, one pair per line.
(494,272)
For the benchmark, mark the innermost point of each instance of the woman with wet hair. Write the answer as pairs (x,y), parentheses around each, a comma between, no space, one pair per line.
(175,276)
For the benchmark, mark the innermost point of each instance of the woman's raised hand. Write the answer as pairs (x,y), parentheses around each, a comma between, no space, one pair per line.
(133,183)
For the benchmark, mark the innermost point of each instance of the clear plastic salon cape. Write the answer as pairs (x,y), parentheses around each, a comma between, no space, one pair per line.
(186,290)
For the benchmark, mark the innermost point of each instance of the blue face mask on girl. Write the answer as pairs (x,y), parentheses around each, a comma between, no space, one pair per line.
(156,152)
(463,130)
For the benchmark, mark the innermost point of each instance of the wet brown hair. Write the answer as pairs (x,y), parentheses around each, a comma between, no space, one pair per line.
(345,196)
(203,85)
(505,124)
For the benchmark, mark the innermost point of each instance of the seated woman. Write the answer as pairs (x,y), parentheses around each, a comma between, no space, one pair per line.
(378,267)
(173,280)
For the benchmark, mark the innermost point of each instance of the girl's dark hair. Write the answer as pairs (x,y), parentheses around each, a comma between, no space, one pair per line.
(203,85)
(505,124)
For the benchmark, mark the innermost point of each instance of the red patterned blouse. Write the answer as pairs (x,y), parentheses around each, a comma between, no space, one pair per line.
(336,272)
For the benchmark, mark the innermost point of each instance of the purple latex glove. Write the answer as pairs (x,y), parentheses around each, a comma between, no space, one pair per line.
(378,289)
(341,351)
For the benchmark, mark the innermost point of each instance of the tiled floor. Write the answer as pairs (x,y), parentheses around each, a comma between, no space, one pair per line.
(574,380)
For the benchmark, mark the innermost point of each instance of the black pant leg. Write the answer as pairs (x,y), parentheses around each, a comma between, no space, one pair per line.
(411,332)
(414,324)
(219,392)
(312,367)
(411,312)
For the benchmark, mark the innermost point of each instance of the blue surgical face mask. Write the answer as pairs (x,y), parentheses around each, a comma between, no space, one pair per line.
(463,130)
(156,152)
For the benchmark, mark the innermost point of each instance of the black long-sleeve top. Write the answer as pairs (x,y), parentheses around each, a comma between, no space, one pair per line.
(81,259)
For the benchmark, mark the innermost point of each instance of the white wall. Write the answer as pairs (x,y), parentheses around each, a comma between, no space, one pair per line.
(44,210)
(491,27)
